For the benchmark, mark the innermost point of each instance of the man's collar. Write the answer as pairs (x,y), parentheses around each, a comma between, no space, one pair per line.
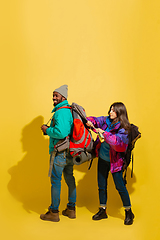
(61,104)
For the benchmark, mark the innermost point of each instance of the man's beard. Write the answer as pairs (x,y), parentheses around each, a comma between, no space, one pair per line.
(59,101)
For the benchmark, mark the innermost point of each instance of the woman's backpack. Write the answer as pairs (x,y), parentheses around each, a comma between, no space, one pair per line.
(133,136)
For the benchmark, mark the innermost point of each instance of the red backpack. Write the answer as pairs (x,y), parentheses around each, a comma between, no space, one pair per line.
(81,141)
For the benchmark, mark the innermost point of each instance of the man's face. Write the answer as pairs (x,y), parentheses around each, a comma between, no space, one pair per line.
(57,98)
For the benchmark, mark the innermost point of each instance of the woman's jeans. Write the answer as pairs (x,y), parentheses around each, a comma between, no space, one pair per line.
(103,170)
(63,162)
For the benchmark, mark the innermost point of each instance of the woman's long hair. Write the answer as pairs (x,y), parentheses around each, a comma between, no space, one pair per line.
(122,115)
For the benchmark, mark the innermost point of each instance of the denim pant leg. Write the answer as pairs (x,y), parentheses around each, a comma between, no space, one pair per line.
(70,181)
(56,177)
(103,170)
(120,186)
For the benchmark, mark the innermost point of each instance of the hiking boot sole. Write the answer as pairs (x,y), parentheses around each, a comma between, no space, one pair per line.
(49,219)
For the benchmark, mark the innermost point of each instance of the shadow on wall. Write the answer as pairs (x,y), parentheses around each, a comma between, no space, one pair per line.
(30,184)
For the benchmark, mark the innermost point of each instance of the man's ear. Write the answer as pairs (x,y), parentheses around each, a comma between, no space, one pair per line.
(63,98)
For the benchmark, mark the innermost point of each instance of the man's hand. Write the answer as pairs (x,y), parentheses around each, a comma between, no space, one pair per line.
(43,128)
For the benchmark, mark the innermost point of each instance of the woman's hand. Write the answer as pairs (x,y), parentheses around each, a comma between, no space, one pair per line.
(99,130)
(90,124)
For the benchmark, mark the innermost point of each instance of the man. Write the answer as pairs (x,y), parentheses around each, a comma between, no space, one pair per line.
(60,127)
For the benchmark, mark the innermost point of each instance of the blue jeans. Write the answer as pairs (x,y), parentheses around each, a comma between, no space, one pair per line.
(103,171)
(63,162)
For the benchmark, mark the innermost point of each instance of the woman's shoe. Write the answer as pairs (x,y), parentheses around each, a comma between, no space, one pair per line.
(101,214)
(129,216)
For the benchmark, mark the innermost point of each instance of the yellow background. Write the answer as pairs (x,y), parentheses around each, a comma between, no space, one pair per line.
(106,51)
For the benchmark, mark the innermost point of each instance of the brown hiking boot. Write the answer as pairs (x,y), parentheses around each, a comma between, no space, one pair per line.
(69,212)
(50,216)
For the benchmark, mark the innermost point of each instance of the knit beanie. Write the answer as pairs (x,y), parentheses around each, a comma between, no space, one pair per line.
(63,90)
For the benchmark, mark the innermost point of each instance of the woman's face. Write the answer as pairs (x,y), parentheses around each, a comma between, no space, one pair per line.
(112,114)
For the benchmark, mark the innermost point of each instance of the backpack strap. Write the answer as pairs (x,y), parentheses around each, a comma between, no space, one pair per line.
(125,176)
(64,107)
(132,167)
(125,172)
(91,161)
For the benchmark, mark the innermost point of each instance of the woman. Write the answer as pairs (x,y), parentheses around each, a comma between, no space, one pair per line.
(114,130)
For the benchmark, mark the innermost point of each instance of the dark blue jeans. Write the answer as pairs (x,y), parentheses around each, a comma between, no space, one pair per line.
(103,171)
